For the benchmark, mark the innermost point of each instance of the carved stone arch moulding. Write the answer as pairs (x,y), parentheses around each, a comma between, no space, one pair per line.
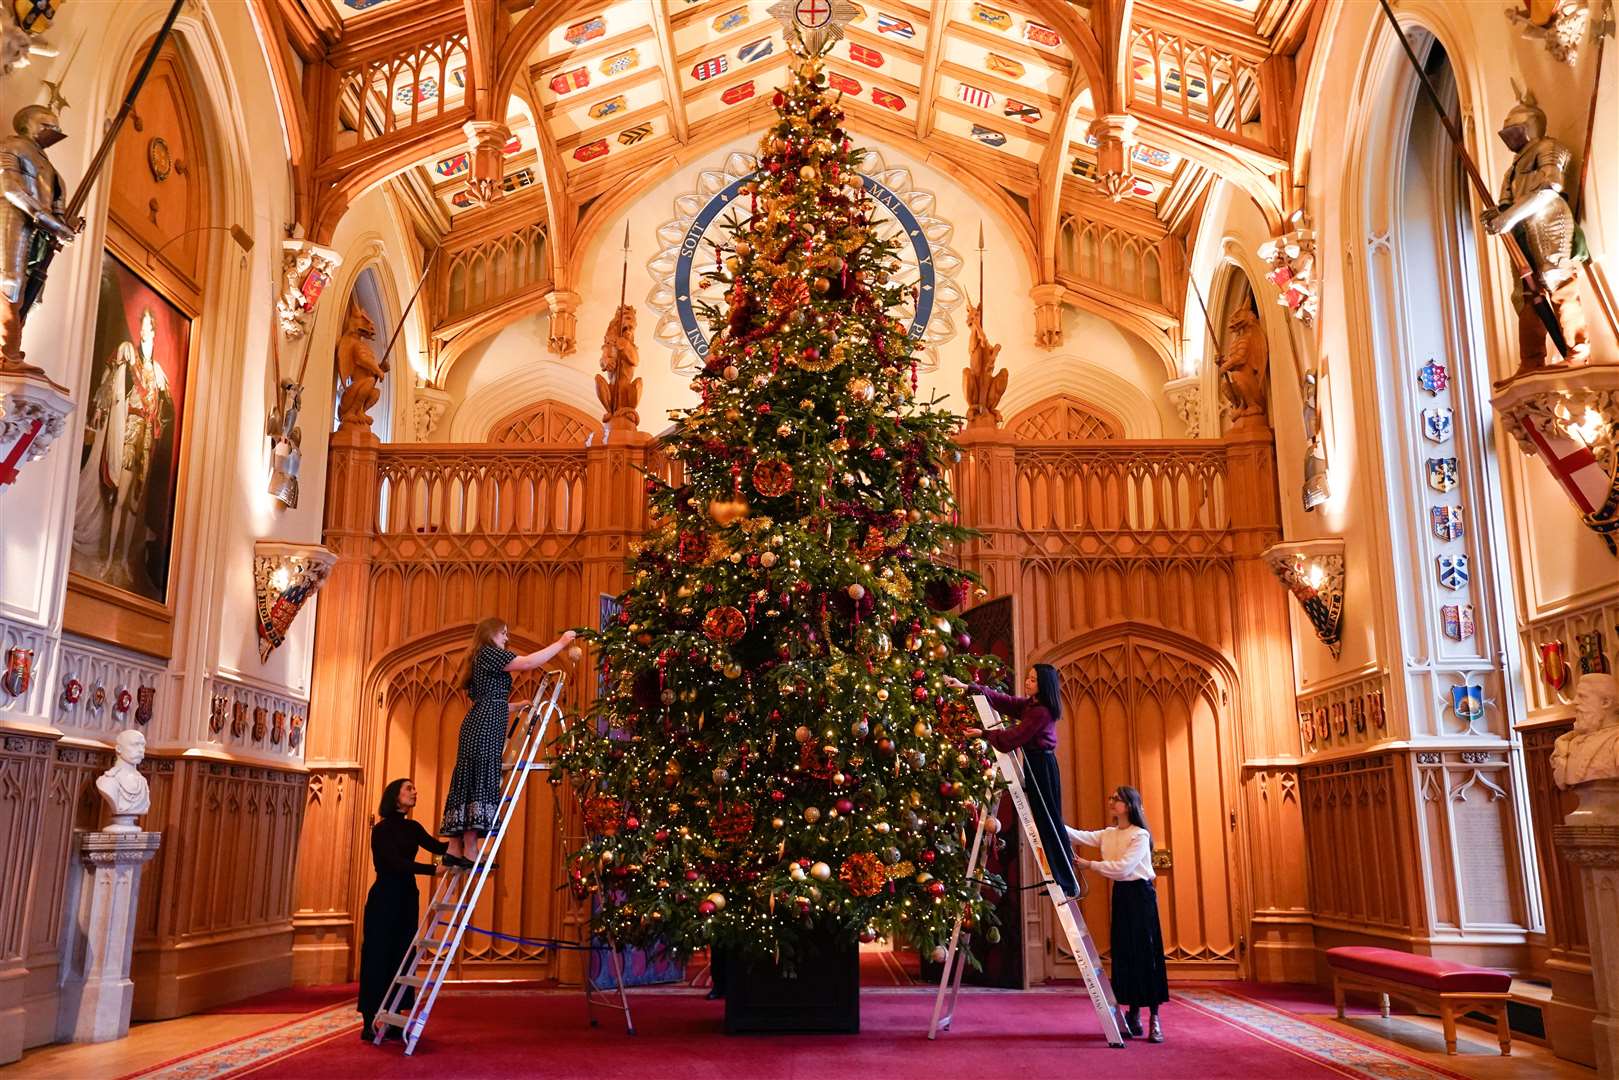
(1064,418)
(1151,708)
(1107,394)
(545,423)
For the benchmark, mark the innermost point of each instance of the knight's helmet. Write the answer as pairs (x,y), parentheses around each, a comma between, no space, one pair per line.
(40,124)
(1524,119)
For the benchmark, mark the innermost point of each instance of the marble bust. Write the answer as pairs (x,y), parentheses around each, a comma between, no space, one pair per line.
(1591,751)
(123,786)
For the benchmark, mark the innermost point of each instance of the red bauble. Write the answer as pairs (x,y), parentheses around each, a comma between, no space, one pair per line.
(706,907)
(920,693)
(943,594)
(724,624)
(773,478)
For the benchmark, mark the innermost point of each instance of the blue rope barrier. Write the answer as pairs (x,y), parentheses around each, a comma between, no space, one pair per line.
(539,943)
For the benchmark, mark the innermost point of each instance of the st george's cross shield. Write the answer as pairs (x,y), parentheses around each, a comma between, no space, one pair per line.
(1441,473)
(1452,571)
(1437,424)
(1446,522)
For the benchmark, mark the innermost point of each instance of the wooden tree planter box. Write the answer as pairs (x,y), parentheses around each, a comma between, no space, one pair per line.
(822,995)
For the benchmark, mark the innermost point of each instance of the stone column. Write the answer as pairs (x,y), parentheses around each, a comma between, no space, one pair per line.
(97,991)
(1589,838)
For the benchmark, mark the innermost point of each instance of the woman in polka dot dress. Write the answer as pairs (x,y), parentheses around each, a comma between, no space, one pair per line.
(486,671)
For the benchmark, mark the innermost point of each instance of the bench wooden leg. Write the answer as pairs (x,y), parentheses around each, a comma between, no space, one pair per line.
(1448,1019)
(1338,997)
(1503,1031)
(1385,1004)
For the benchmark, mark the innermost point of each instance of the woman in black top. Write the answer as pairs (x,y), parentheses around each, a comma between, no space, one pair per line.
(473,798)
(393,905)
(1036,714)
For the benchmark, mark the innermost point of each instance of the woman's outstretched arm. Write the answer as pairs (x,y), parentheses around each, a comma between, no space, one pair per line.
(536,659)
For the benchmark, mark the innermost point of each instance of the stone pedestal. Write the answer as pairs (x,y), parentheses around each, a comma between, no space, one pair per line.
(96,989)
(1589,838)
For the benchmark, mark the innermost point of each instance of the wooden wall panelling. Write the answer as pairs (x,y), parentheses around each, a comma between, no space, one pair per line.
(24,769)
(71,803)
(329,867)
(215,919)
(1099,536)
(1566,933)
(1567,963)
(1357,818)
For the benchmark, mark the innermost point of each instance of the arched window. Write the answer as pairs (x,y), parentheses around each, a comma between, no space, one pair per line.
(1451,582)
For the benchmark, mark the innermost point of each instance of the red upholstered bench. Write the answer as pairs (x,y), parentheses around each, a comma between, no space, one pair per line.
(1442,986)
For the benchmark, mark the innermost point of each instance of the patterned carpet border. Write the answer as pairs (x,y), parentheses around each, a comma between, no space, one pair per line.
(1342,1051)
(256,1051)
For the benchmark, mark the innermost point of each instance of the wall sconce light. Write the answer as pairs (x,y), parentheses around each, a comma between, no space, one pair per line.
(1568,417)
(1313,571)
(284,577)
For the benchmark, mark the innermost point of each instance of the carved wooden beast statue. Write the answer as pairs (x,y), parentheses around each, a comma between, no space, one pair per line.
(360,370)
(1245,370)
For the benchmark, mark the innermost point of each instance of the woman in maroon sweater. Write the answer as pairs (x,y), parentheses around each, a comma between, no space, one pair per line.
(1036,735)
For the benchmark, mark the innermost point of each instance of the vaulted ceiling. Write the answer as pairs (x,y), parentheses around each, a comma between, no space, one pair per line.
(599,99)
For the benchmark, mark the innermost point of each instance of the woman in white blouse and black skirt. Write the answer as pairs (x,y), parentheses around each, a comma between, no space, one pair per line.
(1138,975)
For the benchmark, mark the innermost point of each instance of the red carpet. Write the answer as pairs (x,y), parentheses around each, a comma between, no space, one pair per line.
(486,1034)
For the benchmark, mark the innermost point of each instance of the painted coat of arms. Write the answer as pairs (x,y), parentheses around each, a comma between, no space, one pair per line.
(1457,621)
(1441,473)
(1433,377)
(1437,424)
(1446,522)
(1452,571)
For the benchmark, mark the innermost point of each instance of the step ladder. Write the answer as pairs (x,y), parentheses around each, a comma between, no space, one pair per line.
(1069,916)
(409,1000)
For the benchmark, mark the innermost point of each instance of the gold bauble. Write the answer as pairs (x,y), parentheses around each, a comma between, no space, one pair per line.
(861,389)
(725,511)
(767,559)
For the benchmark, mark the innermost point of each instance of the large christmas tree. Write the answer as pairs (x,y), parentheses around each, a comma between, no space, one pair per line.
(775,751)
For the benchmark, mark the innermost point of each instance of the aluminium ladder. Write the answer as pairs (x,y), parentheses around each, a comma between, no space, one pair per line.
(1069,916)
(455,894)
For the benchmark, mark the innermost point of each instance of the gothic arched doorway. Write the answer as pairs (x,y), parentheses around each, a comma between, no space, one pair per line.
(1148,708)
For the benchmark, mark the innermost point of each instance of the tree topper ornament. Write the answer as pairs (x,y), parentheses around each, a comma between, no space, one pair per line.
(815,22)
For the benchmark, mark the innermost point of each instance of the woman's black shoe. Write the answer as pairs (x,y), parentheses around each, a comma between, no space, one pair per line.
(1155,1034)
(1124,1025)
(714,994)
(1132,1019)
(458,862)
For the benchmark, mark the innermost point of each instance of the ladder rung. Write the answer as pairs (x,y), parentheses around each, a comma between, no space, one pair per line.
(448,905)
(418,981)
(393,1018)
(434,945)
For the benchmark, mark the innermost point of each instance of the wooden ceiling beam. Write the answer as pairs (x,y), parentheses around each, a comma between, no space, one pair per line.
(671,78)
(1048,200)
